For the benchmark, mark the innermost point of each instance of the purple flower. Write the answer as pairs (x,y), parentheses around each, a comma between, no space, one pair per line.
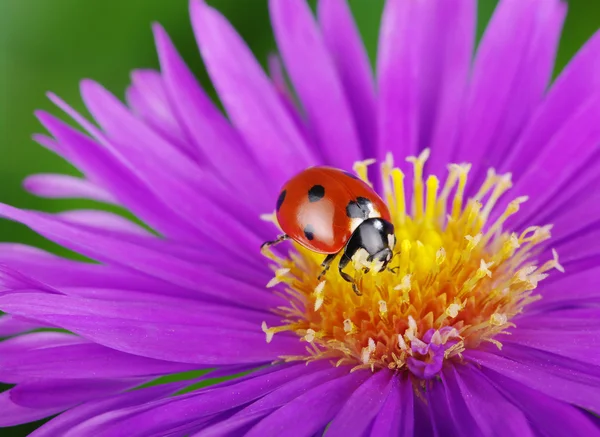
(476,332)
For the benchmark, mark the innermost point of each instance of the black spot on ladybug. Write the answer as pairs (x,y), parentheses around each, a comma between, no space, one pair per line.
(309,232)
(364,202)
(316,193)
(359,208)
(280,199)
(352,175)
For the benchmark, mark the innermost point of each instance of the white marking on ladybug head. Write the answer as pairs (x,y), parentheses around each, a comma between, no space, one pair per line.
(373,213)
(355,223)
(359,259)
(391,241)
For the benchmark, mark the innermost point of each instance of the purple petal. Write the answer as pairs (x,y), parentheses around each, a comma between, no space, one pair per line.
(37,340)
(280,81)
(12,281)
(537,376)
(455,403)
(562,293)
(288,99)
(194,313)
(132,139)
(10,325)
(153,299)
(363,405)
(316,373)
(352,65)
(568,319)
(580,336)
(157,333)
(423,418)
(249,98)
(575,215)
(64,423)
(446,54)
(532,80)
(582,264)
(301,414)
(442,421)
(114,249)
(185,187)
(163,416)
(316,81)
(511,71)
(272,401)
(397,76)
(556,163)
(61,273)
(49,143)
(396,416)
(256,273)
(104,220)
(489,409)
(232,426)
(51,269)
(578,82)
(77,361)
(550,417)
(586,176)
(64,394)
(571,370)
(61,186)
(14,414)
(581,344)
(148,99)
(578,245)
(219,144)
(101,168)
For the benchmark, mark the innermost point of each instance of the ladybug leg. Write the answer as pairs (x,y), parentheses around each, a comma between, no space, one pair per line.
(343,263)
(394,269)
(264,248)
(326,264)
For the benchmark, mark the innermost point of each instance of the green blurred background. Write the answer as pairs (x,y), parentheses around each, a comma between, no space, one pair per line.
(52,44)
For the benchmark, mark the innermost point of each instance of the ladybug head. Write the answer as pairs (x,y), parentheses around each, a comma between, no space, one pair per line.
(371,245)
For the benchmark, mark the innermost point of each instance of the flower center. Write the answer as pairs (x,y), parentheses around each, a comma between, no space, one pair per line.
(460,279)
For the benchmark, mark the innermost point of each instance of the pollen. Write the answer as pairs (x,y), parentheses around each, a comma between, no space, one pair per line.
(457,279)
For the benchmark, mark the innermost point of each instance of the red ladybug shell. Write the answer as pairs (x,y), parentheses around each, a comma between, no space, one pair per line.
(321,206)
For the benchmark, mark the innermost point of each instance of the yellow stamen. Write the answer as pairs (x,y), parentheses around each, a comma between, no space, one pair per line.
(432,187)
(458,280)
(418,163)
(360,168)
(310,335)
(319,296)
(463,171)
(271,218)
(398,184)
(453,309)
(279,277)
(349,327)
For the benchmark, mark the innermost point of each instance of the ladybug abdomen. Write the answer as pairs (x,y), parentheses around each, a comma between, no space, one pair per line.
(312,223)
(320,208)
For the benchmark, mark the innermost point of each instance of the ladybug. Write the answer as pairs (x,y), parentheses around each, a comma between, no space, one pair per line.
(333,212)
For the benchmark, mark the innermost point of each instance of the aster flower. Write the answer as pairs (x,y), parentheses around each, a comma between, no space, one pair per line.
(488,174)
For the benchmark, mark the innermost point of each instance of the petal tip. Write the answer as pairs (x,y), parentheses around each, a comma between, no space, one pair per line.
(159,32)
